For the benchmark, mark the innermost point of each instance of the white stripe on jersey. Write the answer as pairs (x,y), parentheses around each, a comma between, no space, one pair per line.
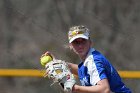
(92,70)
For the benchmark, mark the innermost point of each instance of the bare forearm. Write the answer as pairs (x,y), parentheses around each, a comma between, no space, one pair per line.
(101,87)
(90,89)
(74,68)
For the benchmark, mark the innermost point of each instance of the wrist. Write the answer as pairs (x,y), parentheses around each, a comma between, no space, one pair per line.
(75,88)
(69,65)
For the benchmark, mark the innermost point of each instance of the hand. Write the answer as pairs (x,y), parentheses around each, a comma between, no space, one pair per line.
(75,88)
(47,53)
(58,71)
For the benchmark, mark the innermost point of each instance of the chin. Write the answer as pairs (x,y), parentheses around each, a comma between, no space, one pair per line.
(81,54)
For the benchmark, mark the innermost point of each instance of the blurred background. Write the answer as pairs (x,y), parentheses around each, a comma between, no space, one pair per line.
(28,28)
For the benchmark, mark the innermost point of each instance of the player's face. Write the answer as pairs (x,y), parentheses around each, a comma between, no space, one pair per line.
(81,46)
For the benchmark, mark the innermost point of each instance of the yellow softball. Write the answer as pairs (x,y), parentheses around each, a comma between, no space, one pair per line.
(45,59)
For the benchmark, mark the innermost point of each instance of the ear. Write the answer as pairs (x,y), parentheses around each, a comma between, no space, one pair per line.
(91,43)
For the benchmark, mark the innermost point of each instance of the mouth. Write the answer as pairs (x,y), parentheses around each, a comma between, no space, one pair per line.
(80,50)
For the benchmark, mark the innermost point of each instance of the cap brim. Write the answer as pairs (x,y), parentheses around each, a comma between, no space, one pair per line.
(78,36)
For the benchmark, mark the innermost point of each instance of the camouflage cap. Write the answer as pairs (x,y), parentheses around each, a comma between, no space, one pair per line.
(78,32)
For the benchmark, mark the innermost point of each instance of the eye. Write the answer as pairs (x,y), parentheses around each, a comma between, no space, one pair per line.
(80,41)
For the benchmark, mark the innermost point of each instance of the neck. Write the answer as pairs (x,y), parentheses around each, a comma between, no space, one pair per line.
(83,57)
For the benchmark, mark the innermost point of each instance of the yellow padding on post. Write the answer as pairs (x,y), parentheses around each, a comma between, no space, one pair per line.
(22,72)
(129,74)
(40,73)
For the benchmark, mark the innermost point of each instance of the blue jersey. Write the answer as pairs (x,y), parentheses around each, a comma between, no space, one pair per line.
(95,68)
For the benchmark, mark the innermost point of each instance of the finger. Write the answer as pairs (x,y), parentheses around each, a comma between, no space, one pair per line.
(46,74)
(42,55)
(47,53)
(47,71)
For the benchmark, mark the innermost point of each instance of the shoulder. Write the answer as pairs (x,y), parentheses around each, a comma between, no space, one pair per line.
(100,59)
(97,55)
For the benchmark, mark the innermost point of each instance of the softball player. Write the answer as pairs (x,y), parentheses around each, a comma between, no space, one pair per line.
(95,72)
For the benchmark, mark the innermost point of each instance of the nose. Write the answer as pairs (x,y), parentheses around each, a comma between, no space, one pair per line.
(80,45)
